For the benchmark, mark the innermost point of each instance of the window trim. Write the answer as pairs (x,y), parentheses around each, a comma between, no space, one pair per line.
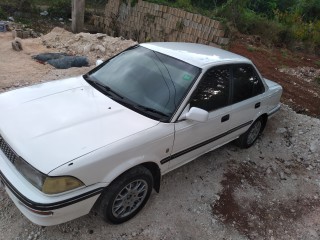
(228,66)
(232,67)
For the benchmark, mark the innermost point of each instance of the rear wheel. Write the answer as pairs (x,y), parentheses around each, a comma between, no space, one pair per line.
(127,195)
(248,138)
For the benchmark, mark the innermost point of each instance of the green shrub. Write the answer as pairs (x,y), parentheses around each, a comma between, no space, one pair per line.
(133,3)
(3,15)
(60,9)
(309,10)
(287,5)
(251,48)
(279,22)
(263,7)
(249,22)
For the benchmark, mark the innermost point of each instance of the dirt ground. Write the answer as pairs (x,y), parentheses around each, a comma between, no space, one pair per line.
(298,74)
(269,191)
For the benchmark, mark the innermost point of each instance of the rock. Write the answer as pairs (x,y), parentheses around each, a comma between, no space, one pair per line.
(100,36)
(101,48)
(287,171)
(314,146)
(269,171)
(44,13)
(309,167)
(87,48)
(93,47)
(217,197)
(313,233)
(281,130)
(282,176)
(17,44)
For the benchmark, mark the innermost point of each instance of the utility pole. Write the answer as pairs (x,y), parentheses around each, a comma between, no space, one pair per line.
(78,7)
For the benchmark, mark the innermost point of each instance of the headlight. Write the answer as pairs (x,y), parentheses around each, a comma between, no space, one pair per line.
(35,177)
(46,184)
(54,185)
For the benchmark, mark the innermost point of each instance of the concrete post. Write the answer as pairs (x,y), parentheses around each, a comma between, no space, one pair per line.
(78,7)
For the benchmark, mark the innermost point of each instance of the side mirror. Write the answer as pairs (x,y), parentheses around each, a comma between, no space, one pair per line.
(98,62)
(197,114)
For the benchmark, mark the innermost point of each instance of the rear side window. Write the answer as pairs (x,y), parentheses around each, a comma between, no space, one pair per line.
(213,90)
(246,83)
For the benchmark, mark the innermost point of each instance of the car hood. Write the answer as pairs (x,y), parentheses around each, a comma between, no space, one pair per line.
(53,123)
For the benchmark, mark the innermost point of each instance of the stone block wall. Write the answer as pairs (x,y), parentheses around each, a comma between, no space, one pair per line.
(144,22)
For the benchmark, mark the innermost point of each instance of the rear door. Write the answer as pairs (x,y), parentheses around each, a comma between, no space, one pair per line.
(247,96)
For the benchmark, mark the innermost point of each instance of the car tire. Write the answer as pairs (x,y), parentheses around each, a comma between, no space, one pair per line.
(248,138)
(127,195)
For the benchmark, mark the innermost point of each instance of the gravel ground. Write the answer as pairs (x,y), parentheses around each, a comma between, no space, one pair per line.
(269,191)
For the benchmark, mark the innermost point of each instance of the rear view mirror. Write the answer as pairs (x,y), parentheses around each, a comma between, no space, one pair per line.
(197,114)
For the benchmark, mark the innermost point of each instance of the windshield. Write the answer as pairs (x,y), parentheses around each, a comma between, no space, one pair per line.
(145,80)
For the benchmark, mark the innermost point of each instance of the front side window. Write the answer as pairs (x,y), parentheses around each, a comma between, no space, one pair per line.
(213,90)
(246,83)
(149,82)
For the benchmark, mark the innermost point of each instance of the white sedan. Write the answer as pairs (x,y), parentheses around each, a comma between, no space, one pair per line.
(107,137)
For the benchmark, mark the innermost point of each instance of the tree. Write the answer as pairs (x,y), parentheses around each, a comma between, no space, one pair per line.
(309,10)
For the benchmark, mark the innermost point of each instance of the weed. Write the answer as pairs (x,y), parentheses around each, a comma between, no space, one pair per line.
(283,66)
(284,53)
(317,63)
(318,80)
(150,18)
(251,48)
(133,3)
(180,25)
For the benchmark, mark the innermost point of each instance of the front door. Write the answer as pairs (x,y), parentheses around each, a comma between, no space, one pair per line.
(192,138)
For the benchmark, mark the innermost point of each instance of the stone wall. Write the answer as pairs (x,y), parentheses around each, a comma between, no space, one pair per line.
(144,22)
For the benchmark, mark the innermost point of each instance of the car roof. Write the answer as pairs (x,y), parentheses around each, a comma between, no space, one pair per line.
(196,54)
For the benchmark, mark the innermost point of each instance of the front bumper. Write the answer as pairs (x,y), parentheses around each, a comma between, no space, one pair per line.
(42,209)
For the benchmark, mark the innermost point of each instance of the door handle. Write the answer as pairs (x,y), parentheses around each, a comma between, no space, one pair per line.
(257,105)
(225,118)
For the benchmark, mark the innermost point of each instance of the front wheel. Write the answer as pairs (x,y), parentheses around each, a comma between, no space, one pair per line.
(127,195)
(248,138)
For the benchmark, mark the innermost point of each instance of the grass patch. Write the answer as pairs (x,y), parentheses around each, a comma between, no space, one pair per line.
(251,48)
(284,53)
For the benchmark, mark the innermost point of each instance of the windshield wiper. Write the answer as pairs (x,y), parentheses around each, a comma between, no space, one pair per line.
(148,109)
(88,78)
(109,90)
(104,87)
(111,93)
